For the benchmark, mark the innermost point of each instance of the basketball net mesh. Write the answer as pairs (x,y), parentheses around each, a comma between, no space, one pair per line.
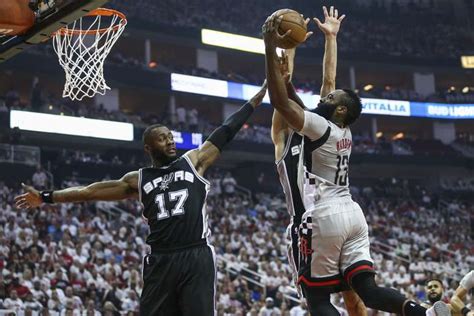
(82,52)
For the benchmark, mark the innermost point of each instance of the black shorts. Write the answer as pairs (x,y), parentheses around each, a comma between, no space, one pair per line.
(293,249)
(179,283)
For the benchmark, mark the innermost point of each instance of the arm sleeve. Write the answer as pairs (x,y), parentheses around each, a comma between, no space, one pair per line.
(468,281)
(315,126)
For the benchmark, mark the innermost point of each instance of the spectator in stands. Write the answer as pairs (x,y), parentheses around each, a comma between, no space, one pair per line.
(193,120)
(269,309)
(299,310)
(130,303)
(76,300)
(32,303)
(40,179)
(13,302)
(181,118)
(229,184)
(90,310)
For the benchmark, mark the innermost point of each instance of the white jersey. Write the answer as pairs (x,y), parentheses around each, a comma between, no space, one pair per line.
(468,281)
(324,164)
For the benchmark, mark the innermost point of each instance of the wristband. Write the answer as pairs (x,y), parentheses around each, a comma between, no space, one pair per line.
(47,196)
(465,310)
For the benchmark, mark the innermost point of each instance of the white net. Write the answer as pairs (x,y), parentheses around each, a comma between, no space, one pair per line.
(82,48)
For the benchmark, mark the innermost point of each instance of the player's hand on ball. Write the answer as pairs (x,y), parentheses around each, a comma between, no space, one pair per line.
(332,21)
(30,199)
(270,32)
(256,100)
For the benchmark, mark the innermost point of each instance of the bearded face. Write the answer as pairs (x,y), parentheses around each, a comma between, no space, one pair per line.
(435,291)
(325,109)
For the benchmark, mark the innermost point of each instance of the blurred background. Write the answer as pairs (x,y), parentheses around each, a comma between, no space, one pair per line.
(412,160)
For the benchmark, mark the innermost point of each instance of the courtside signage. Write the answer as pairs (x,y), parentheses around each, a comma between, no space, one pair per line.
(385,107)
(239,91)
(199,85)
(68,125)
(441,110)
(187,141)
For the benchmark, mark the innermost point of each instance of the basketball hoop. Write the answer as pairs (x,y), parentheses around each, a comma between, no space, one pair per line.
(82,48)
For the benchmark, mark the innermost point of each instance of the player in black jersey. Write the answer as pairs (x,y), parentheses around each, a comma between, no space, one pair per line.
(179,273)
(288,147)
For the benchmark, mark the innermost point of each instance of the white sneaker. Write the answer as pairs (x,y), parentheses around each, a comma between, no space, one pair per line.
(439,309)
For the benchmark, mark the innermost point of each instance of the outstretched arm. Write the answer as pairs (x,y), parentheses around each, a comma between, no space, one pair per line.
(203,157)
(280,128)
(126,187)
(290,110)
(330,28)
(466,284)
(310,124)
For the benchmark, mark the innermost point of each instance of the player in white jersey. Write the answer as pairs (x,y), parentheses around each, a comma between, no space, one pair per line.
(334,242)
(288,149)
(466,285)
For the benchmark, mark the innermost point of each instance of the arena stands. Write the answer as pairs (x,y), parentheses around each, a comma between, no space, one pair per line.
(86,257)
(432,36)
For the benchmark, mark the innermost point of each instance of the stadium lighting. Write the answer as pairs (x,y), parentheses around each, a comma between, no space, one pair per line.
(398,136)
(368,87)
(465,90)
(234,41)
(467,61)
(378,134)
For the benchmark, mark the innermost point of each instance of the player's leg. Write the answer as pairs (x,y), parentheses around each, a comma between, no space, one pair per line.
(159,295)
(354,305)
(358,272)
(319,276)
(294,254)
(196,287)
(319,303)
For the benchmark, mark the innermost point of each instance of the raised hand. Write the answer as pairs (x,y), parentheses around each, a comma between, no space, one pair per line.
(30,199)
(332,21)
(285,61)
(256,100)
(270,30)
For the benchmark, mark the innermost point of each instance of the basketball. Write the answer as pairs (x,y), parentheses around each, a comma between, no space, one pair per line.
(291,20)
(15,17)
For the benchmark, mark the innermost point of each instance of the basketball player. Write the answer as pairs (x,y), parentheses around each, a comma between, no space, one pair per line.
(334,242)
(179,273)
(288,146)
(466,284)
(435,290)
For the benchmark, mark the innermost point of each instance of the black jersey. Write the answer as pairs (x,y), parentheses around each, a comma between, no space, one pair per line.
(287,168)
(174,201)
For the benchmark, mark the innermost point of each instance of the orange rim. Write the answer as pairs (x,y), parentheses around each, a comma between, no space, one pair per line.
(99,11)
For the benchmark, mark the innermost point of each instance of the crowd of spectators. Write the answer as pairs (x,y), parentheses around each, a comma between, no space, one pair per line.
(78,259)
(396,29)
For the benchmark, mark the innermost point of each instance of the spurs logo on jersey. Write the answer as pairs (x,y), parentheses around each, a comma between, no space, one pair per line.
(174,200)
(324,166)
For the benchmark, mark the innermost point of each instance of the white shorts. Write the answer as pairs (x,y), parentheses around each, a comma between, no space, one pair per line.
(334,245)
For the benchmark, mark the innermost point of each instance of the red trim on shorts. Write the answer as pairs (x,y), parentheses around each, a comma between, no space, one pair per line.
(318,283)
(363,267)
